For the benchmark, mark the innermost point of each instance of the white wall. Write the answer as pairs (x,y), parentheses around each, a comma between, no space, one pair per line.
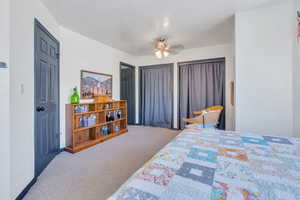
(225,50)
(22,73)
(79,52)
(4,102)
(263,46)
(296,73)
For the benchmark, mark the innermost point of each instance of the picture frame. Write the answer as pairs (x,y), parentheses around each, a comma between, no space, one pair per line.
(95,84)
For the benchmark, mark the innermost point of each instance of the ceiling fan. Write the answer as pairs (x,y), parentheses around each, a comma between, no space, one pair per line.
(163,49)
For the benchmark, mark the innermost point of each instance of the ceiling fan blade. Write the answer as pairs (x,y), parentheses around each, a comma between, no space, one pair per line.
(177,47)
(173,52)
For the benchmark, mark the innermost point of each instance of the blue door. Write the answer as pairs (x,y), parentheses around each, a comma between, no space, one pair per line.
(46,97)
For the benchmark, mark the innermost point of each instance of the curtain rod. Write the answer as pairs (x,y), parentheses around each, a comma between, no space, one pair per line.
(201,61)
(157,65)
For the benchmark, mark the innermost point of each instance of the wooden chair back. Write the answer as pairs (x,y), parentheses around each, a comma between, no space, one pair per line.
(209,116)
(213,108)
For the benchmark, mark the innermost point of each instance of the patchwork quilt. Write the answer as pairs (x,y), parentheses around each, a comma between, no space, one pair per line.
(219,165)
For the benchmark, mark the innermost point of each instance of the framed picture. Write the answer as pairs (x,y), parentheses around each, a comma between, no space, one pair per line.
(94,84)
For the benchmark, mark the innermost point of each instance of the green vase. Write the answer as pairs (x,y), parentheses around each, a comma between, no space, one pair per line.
(75,97)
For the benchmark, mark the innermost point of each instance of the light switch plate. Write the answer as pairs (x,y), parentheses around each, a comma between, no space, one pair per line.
(3,65)
(22,89)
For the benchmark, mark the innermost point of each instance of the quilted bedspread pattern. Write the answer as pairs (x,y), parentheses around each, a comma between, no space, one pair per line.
(219,165)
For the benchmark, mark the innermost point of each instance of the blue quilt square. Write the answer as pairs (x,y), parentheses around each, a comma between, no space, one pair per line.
(135,194)
(203,155)
(197,173)
(252,140)
(231,142)
(181,144)
(278,140)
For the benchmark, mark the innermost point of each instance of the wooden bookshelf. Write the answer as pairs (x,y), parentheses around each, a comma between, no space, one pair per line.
(81,134)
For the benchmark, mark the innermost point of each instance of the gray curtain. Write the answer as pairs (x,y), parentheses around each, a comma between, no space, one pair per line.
(201,85)
(156,95)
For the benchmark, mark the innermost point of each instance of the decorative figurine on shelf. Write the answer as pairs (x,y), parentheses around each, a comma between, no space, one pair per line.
(117,128)
(105,130)
(111,118)
(116,115)
(75,96)
(119,114)
(108,117)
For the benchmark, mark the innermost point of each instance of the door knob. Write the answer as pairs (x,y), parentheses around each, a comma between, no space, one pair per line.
(40,108)
(3,65)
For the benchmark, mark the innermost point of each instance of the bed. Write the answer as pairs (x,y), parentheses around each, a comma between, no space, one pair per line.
(219,165)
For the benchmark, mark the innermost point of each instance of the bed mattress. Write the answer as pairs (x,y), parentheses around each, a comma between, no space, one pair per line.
(219,165)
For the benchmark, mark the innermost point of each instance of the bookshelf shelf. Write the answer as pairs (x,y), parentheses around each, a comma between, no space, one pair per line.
(89,124)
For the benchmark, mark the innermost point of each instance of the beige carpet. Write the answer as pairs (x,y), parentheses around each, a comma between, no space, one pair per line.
(96,173)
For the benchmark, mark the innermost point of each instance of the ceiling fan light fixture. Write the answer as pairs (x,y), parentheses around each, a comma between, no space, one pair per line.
(162,49)
(166,53)
(167,47)
(158,54)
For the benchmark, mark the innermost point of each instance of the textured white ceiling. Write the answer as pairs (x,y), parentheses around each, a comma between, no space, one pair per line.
(133,25)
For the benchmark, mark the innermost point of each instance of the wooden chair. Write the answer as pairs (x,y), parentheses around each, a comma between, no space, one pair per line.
(209,116)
